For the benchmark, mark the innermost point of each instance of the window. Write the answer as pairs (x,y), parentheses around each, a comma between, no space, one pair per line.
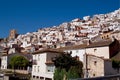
(41,78)
(37,77)
(107,36)
(38,68)
(95,50)
(48,79)
(5,58)
(102,37)
(50,68)
(95,62)
(3,66)
(93,74)
(34,68)
(39,57)
(77,51)
(33,76)
(70,51)
(35,57)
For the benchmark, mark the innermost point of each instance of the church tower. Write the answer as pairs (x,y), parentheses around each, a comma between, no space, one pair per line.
(13,34)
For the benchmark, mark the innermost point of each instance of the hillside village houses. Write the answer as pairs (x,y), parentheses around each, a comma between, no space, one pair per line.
(98,36)
(103,51)
(43,67)
(75,32)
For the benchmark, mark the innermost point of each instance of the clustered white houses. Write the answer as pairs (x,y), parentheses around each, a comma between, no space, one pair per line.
(76,32)
(102,53)
(98,54)
(90,36)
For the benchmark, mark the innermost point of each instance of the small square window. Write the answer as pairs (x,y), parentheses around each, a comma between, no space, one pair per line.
(41,78)
(38,68)
(95,62)
(95,50)
(93,74)
(34,68)
(39,57)
(77,51)
(37,77)
(33,76)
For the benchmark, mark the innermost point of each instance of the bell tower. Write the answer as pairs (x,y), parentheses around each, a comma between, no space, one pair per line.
(13,34)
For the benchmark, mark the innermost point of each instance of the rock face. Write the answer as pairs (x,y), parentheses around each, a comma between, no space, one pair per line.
(76,32)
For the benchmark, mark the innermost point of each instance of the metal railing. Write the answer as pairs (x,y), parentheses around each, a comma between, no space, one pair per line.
(110,77)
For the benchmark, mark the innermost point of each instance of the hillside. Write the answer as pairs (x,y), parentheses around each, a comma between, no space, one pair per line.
(78,31)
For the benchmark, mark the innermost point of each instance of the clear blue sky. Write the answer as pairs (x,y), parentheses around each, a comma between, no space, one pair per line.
(30,15)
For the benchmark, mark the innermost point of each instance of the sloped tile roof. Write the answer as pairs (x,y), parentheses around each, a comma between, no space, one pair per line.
(47,50)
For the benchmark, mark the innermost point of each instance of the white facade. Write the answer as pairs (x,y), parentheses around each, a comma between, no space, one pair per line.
(11,50)
(40,68)
(25,44)
(86,18)
(43,66)
(99,51)
(77,52)
(4,62)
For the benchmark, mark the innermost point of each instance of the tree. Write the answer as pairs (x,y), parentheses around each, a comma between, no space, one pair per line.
(116,65)
(69,64)
(59,74)
(18,61)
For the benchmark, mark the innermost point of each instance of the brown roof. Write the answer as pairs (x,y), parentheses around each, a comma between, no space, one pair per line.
(95,44)
(61,50)
(99,57)
(47,50)
(73,47)
(100,44)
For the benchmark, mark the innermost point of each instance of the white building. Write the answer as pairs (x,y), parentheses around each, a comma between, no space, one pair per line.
(43,67)
(105,49)
(78,50)
(4,62)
